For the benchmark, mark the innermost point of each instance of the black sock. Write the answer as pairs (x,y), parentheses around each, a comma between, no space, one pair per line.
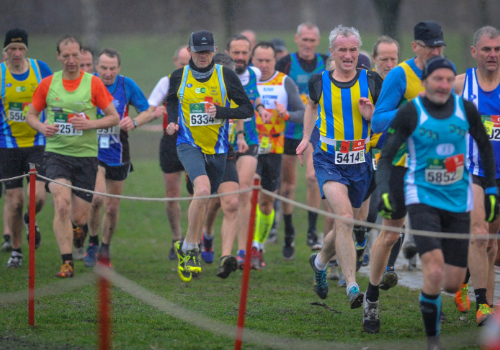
(313,218)
(104,248)
(85,228)
(372,293)
(467,277)
(430,305)
(395,251)
(288,223)
(19,250)
(6,238)
(67,257)
(94,240)
(480,297)
(360,233)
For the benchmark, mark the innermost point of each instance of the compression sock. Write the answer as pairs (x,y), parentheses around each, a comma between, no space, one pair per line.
(430,305)
(67,257)
(94,240)
(288,224)
(395,251)
(467,277)
(256,238)
(372,293)
(266,223)
(313,218)
(480,297)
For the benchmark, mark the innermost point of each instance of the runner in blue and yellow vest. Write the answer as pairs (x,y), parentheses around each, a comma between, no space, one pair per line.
(300,66)
(341,105)
(198,106)
(20,145)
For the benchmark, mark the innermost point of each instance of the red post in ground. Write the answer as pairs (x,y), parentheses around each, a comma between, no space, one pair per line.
(104,318)
(32,216)
(246,269)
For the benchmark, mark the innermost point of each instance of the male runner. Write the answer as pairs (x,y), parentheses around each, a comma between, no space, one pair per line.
(280,47)
(114,152)
(280,97)
(438,185)
(20,145)
(481,86)
(401,85)
(87,60)
(198,104)
(72,97)
(169,161)
(300,66)
(251,36)
(341,105)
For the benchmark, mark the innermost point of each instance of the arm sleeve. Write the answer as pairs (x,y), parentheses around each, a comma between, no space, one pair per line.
(159,92)
(478,133)
(172,100)
(295,105)
(100,95)
(283,64)
(39,100)
(393,90)
(315,87)
(402,127)
(237,94)
(44,69)
(135,95)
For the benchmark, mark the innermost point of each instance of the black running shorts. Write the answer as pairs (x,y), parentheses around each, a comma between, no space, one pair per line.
(16,161)
(291,147)
(117,173)
(269,170)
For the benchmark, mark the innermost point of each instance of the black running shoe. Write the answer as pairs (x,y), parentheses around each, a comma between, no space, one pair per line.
(172,255)
(227,265)
(312,240)
(289,247)
(15,261)
(38,237)
(371,320)
(389,279)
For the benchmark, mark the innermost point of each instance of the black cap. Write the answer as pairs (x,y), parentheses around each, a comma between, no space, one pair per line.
(364,62)
(202,41)
(16,36)
(430,33)
(279,44)
(435,63)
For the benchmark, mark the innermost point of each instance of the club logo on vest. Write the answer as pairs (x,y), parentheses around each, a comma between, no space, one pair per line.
(200,90)
(472,97)
(8,84)
(21,89)
(445,149)
(189,85)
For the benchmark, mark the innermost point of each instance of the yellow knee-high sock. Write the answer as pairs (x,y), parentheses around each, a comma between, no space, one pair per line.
(256,232)
(266,225)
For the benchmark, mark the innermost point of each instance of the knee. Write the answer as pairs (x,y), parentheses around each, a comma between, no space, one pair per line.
(16,200)
(389,238)
(244,197)
(231,205)
(435,274)
(97,201)
(173,191)
(311,179)
(62,207)
(492,249)
(480,242)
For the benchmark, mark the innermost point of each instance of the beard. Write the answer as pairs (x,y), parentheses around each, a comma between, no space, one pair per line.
(242,69)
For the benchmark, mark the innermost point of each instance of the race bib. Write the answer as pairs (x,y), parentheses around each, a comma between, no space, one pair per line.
(65,127)
(17,111)
(492,125)
(350,152)
(264,145)
(199,116)
(376,153)
(113,130)
(445,171)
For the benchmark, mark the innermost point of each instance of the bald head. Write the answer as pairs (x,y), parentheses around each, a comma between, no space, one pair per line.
(181,57)
(250,35)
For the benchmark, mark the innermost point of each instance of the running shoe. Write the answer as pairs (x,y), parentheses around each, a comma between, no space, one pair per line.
(320,284)
(462,300)
(15,261)
(371,320)
(312,240)
(333,273)
(192,261)
(273,235)
(38,236)
(79,253)
(241,259)
(172,255)
(341,282)
(79,236)
(90,259)
(289,247)
(183,273)
(409,248)
(483,313)
(360,252)
(366,259)
(256,259)
(207,251)
(227,265)
(355,297)
(66,270)
(6,245)
(389,278)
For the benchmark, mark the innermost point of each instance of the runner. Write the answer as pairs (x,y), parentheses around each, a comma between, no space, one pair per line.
(114,153)
(238,47)
(87,60)
(438,185)
(198,100)
(481,86)
(169,161)
(20,145)
(280,97)
(280,47)
(300,66)
(71,97)
(251,36)
(344,102)
(401,85)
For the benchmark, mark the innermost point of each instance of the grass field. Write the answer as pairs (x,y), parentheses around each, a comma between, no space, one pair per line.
(279,301)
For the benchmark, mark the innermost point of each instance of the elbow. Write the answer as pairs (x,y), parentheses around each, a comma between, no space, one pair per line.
(115,119)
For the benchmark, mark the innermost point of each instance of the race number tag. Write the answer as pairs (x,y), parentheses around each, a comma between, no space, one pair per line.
(199,116)
(17,111)
(376,153)
(104,141)
(445,171)
(264,145)
(65,127)
(492,126)
(113,130)
(350,152)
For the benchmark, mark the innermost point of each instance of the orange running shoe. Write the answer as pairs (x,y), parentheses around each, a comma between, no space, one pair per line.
(66,270)
(483,314)
(462,299)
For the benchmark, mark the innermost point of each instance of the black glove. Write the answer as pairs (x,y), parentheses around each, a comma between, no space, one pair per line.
(491,204)
(385,208)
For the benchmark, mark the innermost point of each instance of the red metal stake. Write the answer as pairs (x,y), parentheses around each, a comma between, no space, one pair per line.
(246,269)
(32,216)
(104,319)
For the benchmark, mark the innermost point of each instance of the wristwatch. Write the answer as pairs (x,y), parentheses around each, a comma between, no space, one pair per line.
(135,123)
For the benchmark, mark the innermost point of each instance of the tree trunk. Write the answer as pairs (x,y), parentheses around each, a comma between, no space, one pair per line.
(388,12)
(90,15)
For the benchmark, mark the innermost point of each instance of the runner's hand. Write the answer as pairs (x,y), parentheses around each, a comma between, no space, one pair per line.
(81,123)
(212,110)
(385,208)
(281,109)
(126,124)
(491,204)
(159,112)
(265,115)
(49,130)
(366,108)
(242,144)
(301,148)
(172,128)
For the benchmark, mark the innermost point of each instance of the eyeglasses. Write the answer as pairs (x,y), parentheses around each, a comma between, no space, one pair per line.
(430,48)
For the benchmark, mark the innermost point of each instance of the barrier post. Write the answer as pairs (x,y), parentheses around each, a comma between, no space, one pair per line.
(246,268)
(32,216)
(104,299)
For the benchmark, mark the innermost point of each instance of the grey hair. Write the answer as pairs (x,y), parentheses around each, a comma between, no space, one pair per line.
(224,60)
(488,30)
(383,39)
(307,25)
(341,30)
(176,53)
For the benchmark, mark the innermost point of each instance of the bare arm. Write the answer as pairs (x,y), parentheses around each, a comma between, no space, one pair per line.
(33,120)
(111,118)
(310,115)
(459,84)
(143,118)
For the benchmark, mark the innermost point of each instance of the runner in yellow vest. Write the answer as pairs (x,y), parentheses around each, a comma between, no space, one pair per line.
(71,97)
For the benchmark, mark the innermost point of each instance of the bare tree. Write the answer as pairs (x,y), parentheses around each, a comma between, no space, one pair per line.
(90,15)
(388,12)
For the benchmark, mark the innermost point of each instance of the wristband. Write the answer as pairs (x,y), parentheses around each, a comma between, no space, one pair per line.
(135,123)
(257,107)
(491,190)
(240,132)
(287,116)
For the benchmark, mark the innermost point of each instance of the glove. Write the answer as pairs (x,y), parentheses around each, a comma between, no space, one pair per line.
(491,204)
(385,208)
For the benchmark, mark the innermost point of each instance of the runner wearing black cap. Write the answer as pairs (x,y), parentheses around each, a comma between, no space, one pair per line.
(20,145)
(280,47)
(438,185)
(198,106)
(401,85)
